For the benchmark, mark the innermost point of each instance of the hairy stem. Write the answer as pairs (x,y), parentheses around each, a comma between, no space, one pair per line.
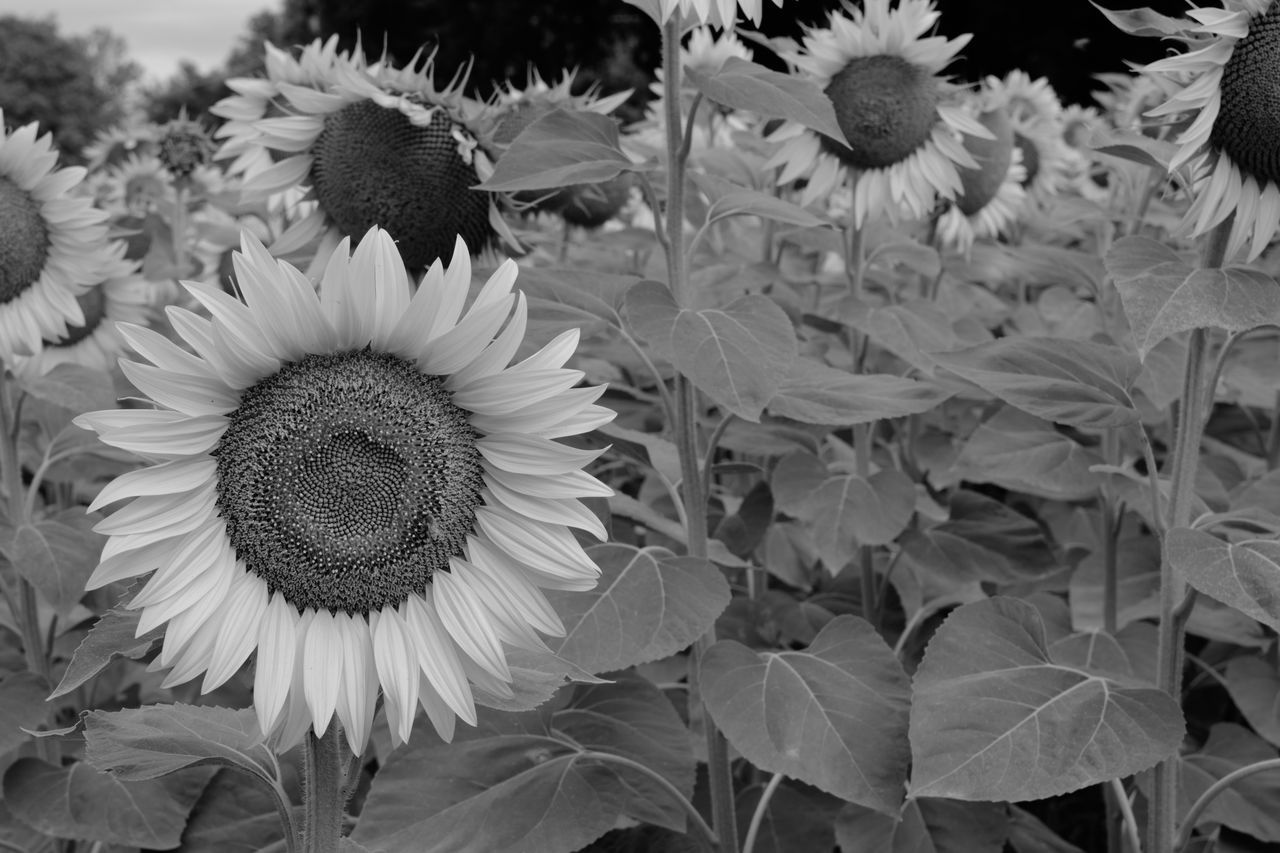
(719,772)
(323,793)
(1175,603)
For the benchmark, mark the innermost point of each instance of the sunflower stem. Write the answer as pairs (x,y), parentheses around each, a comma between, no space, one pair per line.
(762,808)
(324,789)
(1175,602)
(719,772)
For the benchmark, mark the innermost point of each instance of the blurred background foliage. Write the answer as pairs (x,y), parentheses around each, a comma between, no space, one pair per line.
(77,86)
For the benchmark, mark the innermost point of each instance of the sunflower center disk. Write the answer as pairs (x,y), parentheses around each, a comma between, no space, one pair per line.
(93,302)
(1248,123)
(26,241)
(372,166)
(346,481)
(887,108)
(993,156)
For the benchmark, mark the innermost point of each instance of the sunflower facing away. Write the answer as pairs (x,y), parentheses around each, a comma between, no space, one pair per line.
(54,244)
(1231,74)
(357,485)
(902,131)
(993,197)
(372,145)
(1036,114)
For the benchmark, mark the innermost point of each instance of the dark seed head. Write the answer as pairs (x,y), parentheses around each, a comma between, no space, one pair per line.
(374,167)
(886,107)
(347,480)
(25,244)
(1248,123)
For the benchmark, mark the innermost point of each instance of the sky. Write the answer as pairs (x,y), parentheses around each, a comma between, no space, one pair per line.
(160,33)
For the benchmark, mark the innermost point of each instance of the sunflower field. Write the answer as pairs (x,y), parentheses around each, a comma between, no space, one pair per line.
(848,457)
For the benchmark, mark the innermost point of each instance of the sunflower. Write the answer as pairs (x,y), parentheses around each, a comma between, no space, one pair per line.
(354,484)
(717,13)
(902,135)
(134,186)
(374,145)
(54,242)
(993,197)
(1036,113)
(122,296)
(1233,141)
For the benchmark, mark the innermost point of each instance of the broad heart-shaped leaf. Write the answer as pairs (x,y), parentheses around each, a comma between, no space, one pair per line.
(81,803)
(995,717)
(137,744)
(56,555)
(1163,295)
(833,716)
(232,817)
(1062,380)
(737,355)
(651,313)
(755,203)
(1254,685)
(815,393)
(744,85)
(562,148)
(648,604)
(926,825)
(1017,451)
(1251,805)
(22,706)
(1244,575)
(526,784)
(848,511)
(73,387)
(114,634)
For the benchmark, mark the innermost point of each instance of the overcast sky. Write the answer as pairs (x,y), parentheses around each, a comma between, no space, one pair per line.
(160,33)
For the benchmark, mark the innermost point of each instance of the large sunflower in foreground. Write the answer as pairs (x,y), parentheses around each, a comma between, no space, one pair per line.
(371,145)
(1233,141)
(902,130)
(356,485)
(53,246)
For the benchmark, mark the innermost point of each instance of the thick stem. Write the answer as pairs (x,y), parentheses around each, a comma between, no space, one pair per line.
(866,556)
(1110,534)
(719,772)
(1175,604)
(324,789)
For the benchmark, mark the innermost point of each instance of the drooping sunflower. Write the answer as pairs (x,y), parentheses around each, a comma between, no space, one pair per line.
(54,243)
(993,197)
(1233,142)
(123,296)
(356,484)
(1036,113)
(902,127)
(371,145)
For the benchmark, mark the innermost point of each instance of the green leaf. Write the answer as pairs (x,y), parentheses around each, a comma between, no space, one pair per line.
(912,330)
(22,706)
(1079,383)
(81,803)
(926,825)
(743,85)
(848,511)
(796,818)
(832,716)
(995,717)
(137,744)
(575,297)
(814,393)
(56,555)
(651,313)
(113,635)
(535,678)
(1250,805)
(73,387)
(523,784)
(232,817)
(743,201)
(649,604)
(737,355)
(1244,575)
(1254,686)
(1017,451)
(1163,295)
(1133,146)
(562,148)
